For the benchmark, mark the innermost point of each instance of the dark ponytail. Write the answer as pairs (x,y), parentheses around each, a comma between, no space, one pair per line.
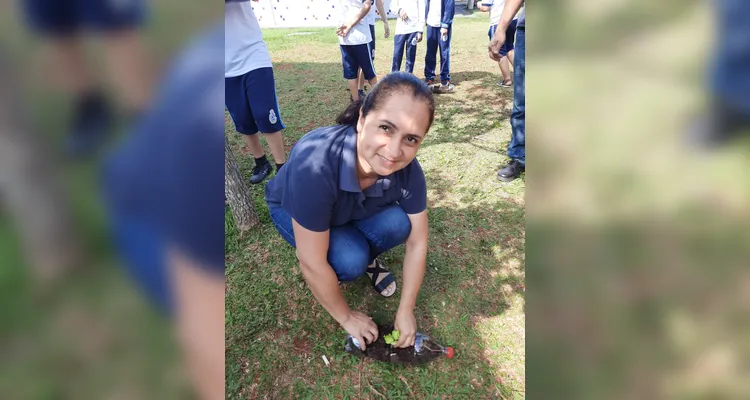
(350,116)
(395,81)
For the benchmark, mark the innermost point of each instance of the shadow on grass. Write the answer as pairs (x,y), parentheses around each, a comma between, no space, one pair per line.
(461,77)
(478,109)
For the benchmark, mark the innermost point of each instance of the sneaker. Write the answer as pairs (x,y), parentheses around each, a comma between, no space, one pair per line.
(431,84)
(446,88)
(260,172)
(505,84)
(361,93)
(511,171)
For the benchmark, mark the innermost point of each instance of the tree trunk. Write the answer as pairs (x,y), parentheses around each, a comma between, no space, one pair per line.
(237,192)
(31,191)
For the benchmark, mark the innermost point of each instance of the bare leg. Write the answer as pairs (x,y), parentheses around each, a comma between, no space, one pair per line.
(75,75)
(353,86)
(505,69)
(361,80)
(373,81)
(128,65)
(511,57)
(276,143)
(253,143)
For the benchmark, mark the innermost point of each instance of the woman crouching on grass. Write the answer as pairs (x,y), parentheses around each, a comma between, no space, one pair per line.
(350,192)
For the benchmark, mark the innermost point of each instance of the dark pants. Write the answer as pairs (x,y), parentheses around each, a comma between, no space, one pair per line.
(433,42)
(730,81)
(517,145)
(409,41)
(354,246)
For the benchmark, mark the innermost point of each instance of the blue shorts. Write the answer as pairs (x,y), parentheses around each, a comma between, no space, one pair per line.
(510,37)
(252,103)
(67,16)
(354,57)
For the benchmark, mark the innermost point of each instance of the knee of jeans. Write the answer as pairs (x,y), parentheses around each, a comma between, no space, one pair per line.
(350,265)
(398,224)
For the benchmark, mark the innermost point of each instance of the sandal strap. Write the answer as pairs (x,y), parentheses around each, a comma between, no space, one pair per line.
(376,271)
(382,285)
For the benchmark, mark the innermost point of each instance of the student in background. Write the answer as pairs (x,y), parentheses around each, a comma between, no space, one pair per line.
(371,20)
(439,18)
(354,41)
(63,24)
(409,28)
(517,145)
(495,7)
(250,91)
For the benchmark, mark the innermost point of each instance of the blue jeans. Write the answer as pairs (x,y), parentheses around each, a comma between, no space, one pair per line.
(517,145)
(430,59)
(352,247)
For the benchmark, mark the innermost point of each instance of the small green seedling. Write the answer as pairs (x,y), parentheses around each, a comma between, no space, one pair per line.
(392,337)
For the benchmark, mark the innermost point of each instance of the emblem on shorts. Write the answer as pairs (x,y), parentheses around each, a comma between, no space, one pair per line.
(272,117)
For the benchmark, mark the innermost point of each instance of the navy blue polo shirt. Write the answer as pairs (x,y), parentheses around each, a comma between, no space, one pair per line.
(319,188)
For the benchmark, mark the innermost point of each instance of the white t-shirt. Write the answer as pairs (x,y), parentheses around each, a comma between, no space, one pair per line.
(244,49)
(360,33)
(496,10)
(372,16)
(433,16)
(415,10)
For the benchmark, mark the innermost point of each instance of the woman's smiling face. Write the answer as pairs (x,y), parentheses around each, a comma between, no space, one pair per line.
(389,137)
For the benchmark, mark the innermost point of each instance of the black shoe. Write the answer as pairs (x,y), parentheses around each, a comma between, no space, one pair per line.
(260,172)
(511,171)
(361,94)
(92,123)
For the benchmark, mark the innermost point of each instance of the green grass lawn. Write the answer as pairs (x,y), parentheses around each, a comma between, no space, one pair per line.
(472,297)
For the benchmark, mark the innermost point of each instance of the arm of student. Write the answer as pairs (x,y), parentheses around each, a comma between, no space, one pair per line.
(414,267)
(450,10)
(312,252)
(344,29)
(384,17)
(509,12)
(366,5)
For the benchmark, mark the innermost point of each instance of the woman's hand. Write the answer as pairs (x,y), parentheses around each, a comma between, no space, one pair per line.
(361,327)
(406,325)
